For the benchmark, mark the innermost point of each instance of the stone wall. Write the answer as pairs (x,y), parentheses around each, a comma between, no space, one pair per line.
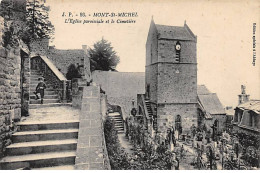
(151,83)
(91,147)
(14,76)
(177,82)
(121,87)
(10,91)
(169,112)
(152,45)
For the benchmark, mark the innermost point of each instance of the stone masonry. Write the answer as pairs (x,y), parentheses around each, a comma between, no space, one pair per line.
(171,85)
(91,145)
(10,91)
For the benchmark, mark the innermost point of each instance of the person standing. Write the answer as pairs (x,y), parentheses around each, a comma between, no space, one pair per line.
(40,89)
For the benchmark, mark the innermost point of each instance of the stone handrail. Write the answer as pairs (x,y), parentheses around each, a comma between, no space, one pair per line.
(52,75)
(145,108)
(118,109)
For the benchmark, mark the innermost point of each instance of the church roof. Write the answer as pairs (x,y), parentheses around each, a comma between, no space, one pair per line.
(202,89)
(211,103)
(175,32)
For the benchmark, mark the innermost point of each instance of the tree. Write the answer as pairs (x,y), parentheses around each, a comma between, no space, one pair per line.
(35,17)
(72,72)
(103,57)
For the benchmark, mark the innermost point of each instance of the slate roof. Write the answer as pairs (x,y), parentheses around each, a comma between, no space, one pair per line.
(174,32)
(253,105)
(70,53)
(209,101)
(202,89)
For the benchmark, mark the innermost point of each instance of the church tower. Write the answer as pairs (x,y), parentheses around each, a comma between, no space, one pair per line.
(171,75)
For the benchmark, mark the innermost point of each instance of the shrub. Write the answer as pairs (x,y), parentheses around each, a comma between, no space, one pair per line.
(72,72)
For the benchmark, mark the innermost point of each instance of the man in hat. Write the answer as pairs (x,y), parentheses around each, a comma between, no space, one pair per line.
(40,89)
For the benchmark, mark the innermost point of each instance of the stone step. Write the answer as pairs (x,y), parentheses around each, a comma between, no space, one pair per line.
(32,101)
(119,126)
(38,160)
(45,96)
(32,89)
(41,147)
(35,77)
(116,118)
(46,92)
(44,135)
(118,121)
(63,167)
(48,125)
(37,106)
(36,83)
(114,114)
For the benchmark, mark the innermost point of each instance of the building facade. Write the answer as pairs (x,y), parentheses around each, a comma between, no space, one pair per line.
(210,110)
(171,75)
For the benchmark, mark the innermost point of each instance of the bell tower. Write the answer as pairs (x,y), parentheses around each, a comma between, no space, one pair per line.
(171,75)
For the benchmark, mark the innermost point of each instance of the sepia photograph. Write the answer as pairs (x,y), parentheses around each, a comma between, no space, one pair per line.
(129,85)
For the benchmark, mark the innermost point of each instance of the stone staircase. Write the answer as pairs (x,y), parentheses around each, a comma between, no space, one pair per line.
(50,97)
(149,110)
(45,145)
(119,126)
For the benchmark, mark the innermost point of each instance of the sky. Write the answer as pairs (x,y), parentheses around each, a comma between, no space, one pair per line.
(224,32)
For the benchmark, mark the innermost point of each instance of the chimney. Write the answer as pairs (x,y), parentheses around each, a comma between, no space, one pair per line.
(84,47)
(243,97)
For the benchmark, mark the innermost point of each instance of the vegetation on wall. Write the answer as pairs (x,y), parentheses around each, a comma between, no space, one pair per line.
(33,22)
(246,141)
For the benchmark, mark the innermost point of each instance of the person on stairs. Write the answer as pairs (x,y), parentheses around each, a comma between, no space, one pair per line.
(40,89)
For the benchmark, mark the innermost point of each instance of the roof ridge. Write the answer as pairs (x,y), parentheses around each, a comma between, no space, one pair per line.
(170,25)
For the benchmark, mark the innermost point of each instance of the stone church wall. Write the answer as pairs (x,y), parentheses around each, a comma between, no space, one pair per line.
(177,82)
(177,87)
(188,114)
